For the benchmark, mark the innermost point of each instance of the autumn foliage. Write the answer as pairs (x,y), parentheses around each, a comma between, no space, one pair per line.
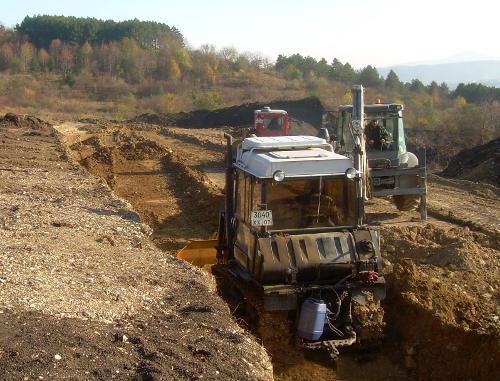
(84,66)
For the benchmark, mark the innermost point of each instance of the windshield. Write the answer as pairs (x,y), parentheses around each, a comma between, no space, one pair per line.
(312,202)
(273,124)
(381,131)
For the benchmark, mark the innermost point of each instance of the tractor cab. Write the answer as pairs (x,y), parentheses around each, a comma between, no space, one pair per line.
(298,180)
(384,133)
(393,170)
(268,122)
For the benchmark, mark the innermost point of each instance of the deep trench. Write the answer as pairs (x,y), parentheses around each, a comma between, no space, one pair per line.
(407,326)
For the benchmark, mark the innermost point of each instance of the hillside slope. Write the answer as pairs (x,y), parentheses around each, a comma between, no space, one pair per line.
(84,293)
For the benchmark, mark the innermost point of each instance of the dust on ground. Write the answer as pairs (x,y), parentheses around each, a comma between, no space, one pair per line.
(443,274)
(85,294)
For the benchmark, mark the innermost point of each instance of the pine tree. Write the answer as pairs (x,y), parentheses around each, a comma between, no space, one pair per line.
(392,81)
(369,77)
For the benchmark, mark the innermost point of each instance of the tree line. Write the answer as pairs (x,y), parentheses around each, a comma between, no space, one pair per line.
(297,67)
(477,93)
(42,30)
(138,51)
(131,50)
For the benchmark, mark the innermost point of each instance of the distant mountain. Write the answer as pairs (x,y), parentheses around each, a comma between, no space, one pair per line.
(464,56)
(486,72)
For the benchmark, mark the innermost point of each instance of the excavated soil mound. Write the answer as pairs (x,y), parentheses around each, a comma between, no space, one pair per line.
(23,121)
(480,163)
(147,165)
(444,289)
(142,150)
(86,295)
(309,110)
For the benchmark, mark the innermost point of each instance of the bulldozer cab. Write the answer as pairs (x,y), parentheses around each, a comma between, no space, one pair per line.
(268,122)
(294,204)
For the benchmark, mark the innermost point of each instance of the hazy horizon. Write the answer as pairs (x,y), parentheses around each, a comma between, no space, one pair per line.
(360,32)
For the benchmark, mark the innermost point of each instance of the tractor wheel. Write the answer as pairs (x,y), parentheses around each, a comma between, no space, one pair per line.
(406,202)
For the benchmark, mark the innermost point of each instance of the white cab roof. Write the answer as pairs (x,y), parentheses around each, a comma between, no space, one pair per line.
(282,142)
(294,163)
(270,111)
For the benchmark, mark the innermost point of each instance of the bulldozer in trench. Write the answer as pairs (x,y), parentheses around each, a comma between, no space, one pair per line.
(293,248)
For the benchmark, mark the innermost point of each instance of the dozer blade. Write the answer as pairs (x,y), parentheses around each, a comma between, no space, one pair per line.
(200,253)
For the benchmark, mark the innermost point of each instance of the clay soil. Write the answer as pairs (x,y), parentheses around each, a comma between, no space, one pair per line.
(442,310)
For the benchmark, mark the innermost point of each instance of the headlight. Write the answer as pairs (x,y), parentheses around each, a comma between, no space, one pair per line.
(351,173)
(279,176)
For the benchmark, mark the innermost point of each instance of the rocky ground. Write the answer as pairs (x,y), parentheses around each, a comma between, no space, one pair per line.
(86,295)
(442,310)
(443,274)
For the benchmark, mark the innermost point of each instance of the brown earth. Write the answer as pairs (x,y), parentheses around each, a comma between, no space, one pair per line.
(116,303)
(304,111)
(442,310)
(84,294)
(481,163)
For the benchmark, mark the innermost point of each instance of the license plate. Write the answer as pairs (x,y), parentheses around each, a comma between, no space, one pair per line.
(261,218)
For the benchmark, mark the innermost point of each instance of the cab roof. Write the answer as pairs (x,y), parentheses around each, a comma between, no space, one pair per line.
(270,111)
(282,142)
(376,107)
(296,156)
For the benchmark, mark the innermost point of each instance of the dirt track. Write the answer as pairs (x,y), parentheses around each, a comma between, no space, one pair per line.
(444,274)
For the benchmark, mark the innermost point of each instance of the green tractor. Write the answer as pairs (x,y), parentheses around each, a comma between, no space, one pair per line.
(393,171)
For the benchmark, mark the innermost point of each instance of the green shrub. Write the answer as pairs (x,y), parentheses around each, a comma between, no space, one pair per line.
(208,101)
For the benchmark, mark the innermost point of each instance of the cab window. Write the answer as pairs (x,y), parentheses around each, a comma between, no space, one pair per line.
(273,124)
(315,202)
(386,129)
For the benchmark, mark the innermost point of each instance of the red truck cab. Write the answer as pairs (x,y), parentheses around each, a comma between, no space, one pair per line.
(269,122)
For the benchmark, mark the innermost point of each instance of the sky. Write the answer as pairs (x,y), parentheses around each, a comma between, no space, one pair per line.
(361,32)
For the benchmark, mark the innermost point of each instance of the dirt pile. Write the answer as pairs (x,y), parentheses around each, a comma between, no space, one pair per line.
(309,110)
(444,290)
(23,121)
(480,163)
(172,176)
(84,294)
